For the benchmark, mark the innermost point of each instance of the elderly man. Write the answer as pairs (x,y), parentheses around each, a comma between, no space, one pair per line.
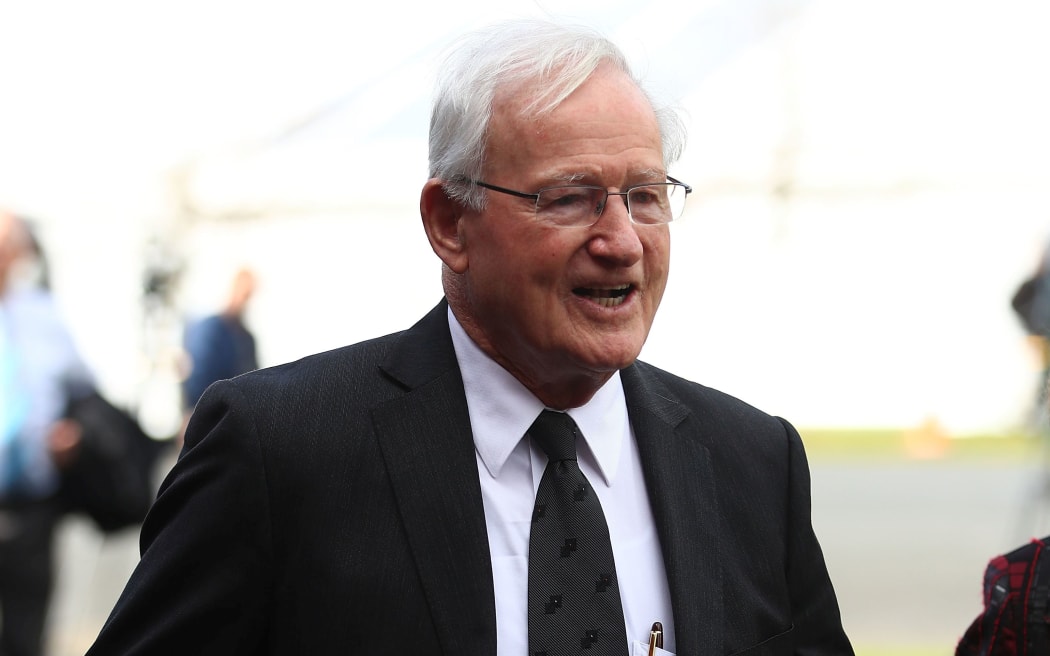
(503,477)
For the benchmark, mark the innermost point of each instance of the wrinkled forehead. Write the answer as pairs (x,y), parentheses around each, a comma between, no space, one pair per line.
(521,117)
(534,96)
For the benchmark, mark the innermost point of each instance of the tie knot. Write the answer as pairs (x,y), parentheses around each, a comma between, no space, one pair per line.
(555,432)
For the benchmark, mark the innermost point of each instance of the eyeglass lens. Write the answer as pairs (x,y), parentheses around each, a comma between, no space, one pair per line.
(582,205)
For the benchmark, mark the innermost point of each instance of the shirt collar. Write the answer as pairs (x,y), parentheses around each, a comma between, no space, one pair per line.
(501,409)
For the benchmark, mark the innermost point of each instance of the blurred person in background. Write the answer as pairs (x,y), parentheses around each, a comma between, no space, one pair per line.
(40,370)
(220,346)
(1015,620)
(416,494)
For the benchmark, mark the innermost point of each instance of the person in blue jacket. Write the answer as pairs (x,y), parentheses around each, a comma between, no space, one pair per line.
(220,346)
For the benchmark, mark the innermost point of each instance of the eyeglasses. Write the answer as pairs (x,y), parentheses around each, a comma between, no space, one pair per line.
(580,206)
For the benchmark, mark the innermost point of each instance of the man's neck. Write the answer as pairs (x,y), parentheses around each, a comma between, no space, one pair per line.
(561,394)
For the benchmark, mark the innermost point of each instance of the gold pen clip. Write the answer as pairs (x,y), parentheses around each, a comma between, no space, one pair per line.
(656,638)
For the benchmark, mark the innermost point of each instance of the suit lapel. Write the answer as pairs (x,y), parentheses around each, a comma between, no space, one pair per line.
(678,475)
(428,448)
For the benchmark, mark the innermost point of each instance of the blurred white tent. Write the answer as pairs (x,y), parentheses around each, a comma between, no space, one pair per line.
(871,182)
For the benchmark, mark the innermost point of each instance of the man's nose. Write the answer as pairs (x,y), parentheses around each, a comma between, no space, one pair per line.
(616,237)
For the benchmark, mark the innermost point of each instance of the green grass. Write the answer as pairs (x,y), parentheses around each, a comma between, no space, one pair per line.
(927,442)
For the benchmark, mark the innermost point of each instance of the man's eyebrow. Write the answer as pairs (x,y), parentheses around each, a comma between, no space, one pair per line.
(651,173)
(568,178)
(647,174)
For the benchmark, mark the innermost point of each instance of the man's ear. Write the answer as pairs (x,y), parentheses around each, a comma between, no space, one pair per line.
(441,219)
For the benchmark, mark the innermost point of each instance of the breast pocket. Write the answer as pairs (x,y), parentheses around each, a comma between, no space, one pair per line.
(782,644)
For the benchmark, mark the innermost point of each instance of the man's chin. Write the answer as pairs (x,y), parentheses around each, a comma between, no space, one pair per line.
(609,357)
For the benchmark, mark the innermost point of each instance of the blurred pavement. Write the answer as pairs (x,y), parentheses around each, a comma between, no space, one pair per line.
(907,542)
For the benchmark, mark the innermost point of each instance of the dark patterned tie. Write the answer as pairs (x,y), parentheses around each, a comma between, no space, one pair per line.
(574,601)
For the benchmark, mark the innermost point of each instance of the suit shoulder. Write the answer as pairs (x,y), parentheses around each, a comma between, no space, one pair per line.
(743,440)
(343,365)
(702,398)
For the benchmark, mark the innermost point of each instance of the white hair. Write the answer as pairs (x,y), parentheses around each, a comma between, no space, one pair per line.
(515,54)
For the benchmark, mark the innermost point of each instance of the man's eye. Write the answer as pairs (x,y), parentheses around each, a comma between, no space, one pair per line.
(568,200)
(644,196)
(558,199)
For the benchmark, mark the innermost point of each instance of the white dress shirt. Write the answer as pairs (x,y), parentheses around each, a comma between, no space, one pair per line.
(510,468)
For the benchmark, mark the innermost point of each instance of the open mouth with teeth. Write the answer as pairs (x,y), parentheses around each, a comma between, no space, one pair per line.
(605,297)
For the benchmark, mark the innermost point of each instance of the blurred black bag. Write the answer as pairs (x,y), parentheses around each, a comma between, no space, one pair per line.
(111,478)
(1016,617)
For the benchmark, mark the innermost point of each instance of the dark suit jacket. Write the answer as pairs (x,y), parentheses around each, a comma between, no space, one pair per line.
(332,506)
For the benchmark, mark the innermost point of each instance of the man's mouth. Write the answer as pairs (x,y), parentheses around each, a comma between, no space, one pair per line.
(605,296)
